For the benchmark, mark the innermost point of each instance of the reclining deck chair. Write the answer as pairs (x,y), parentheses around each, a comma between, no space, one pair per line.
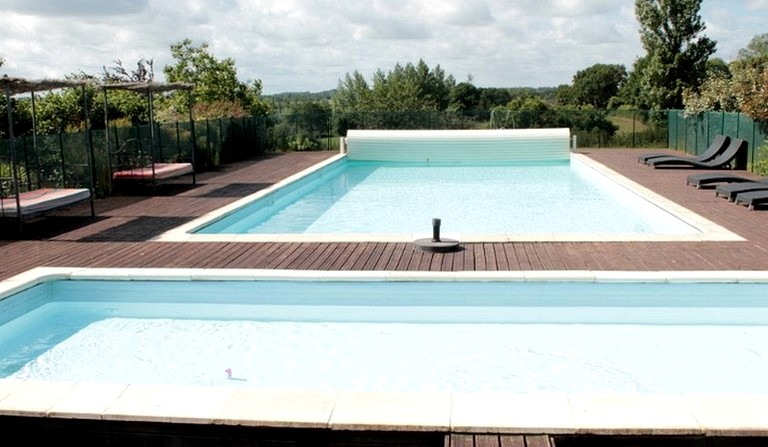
(734,154)
(719,143)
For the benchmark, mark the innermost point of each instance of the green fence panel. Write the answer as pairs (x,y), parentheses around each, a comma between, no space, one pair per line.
(701,129)
(731,124)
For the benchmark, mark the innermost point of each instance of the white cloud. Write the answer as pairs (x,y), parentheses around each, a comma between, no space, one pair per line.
(74,8)
(297,45)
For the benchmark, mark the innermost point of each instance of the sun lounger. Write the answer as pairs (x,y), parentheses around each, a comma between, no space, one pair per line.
(711,178)
(731,190)
(734,153)
(719,143)
(752,199)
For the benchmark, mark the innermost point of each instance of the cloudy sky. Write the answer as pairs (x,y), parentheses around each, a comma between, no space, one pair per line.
(308,45)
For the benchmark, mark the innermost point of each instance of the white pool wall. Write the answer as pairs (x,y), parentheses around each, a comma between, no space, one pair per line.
(450,146)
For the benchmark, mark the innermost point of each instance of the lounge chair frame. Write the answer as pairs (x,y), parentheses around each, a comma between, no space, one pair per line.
(732,156)
(711,179)
(133,161)
(731,191)
(26,199)
(718,145)
(752,198)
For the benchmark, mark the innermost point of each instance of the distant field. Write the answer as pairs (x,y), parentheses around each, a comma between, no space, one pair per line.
(624,123)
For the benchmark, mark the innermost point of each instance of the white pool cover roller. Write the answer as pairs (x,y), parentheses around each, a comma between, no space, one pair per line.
(459,146)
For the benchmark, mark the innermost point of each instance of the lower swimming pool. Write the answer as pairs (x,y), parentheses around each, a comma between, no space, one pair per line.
(383,331)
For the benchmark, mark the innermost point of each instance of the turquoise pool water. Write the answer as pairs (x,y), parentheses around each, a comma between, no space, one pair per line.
(546,336)
(350,197)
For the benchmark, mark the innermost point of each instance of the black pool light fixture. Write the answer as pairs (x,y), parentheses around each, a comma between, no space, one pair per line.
(436,244)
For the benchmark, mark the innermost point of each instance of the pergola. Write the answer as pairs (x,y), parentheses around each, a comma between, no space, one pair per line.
(150,89)
(13,86)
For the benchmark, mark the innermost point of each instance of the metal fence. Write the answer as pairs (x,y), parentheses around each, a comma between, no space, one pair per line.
(226,140)
(592,128)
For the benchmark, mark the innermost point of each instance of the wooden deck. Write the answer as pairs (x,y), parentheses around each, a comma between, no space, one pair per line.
(120,235)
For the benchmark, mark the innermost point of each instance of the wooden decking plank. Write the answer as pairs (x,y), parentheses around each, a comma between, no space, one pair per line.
(340,255)
(318,250)
(512,441)
(447,261)
(537,441)
(487,441)
(480,260)
(116,238)
(362,254)
(462,440)
(376,253)
(264,260)
(293,255)
(406,254)
(240,253)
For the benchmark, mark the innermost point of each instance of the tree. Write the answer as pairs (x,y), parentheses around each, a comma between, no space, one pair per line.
(757,48)
(464,97)
(404,88)
(741,87)
(750,78)
(671,32)
(717,67)
(352,94)
(564,95)
(124,105)
(597,84)
(145,72)
(215,81)
(631,92)
(491,97)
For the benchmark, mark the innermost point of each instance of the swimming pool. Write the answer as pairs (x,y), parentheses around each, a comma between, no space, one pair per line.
(560,336)
(725,396)
(342,200)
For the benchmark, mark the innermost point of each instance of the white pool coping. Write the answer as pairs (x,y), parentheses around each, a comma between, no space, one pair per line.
(707,230)
(604,414)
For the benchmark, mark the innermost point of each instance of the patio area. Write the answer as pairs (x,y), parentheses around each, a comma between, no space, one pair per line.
(121,234)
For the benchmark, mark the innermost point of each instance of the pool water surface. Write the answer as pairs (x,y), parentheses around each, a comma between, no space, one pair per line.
(553,336)
(367,197)
(343,200)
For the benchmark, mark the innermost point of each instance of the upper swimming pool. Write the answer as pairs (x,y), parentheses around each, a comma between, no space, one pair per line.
(349,200)
(483,185)
(364,197)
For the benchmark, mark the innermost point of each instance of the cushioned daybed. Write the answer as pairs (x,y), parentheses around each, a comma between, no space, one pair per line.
(42,200)
(139,159)
(50,179)
(159,171)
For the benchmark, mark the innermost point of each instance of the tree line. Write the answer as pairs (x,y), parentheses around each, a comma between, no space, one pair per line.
(677,71)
